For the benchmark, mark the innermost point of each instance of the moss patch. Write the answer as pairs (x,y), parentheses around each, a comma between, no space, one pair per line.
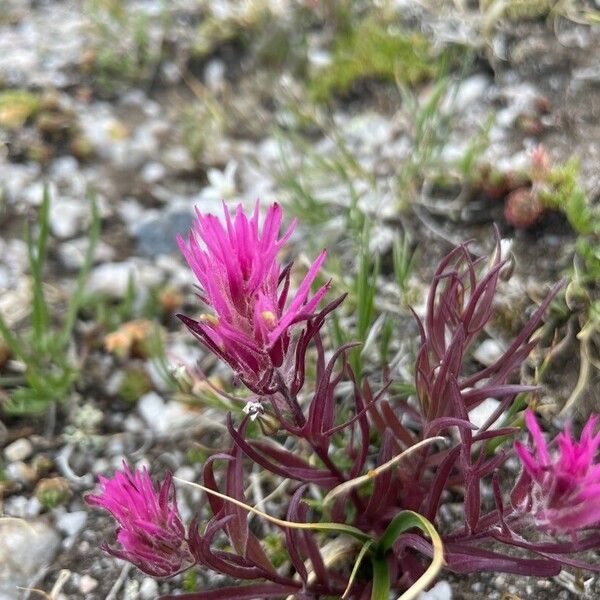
(374,50)
(17,107)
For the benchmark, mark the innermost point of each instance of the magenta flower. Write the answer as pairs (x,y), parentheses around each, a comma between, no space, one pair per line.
(251,325)
(563,489)
(151,534)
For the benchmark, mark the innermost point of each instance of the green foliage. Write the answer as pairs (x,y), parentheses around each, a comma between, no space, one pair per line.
(51,369)
(202,123)
(403,256)
(52,492)
(190,581)
(17,107)
(275,546)
(374,49)
(431,123)
(135,383)
(124,51)
(111,313)
(361,286)
(517,10)
(560,191)
(266,38)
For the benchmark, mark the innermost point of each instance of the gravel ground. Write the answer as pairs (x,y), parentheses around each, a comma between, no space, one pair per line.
(157,130)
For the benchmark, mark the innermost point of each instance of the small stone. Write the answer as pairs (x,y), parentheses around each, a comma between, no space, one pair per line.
(178,158)
(22,507)
(64,169)
(148,589)
(112,279)
(500,582)
(72,253)
(20,449)
(19,471)
(440,591)
(87,584)
(71,523)
(165,418)
(482,412)
(153,172)
(25,548)
(488,352)
(159,236)
(152,408)
(214,74)
(68,217)
(470,91)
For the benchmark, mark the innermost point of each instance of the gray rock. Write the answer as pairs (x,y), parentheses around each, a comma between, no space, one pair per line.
(214,74)
(19,450)
(159,236)
(16,178)
(112,279)
(470,91)
(25,548)
(72,253)
(34,193)
(71,523)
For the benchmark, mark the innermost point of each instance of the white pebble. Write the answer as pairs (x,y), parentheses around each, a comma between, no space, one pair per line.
(148,589)
(20,449)
(87,584)
(440,591)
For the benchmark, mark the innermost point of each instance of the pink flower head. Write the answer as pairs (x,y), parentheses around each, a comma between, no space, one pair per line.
(563,488)
(243,284)
(151,534)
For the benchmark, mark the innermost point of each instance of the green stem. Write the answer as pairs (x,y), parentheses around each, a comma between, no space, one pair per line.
(381,579)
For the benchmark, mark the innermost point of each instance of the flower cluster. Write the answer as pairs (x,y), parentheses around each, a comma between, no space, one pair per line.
(262,332)
(251,323)
(562,492)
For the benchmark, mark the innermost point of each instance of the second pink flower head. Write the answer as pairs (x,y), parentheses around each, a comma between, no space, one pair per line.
(562,489)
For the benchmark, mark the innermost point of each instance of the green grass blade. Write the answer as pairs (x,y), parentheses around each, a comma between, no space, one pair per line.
(363,551)
(40,316)
(381,579)
(12,341)
(78,294)
(404,521)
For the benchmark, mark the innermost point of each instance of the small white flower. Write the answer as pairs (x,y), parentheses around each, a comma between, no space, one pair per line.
(254,409)
(221,184)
